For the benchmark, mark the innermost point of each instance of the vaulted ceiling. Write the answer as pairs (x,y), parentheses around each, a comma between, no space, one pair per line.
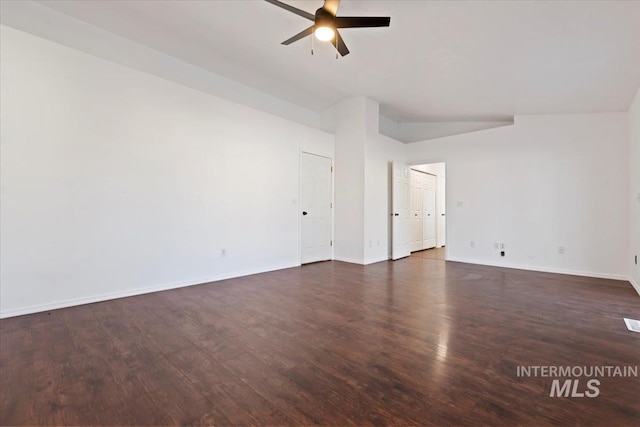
(439,60)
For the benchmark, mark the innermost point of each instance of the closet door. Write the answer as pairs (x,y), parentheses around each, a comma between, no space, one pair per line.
(429,212)
(415,211)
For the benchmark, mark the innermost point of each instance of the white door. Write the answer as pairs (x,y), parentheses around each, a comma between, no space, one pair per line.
(429,215)
(315,208)
(440,207)
(415,214)
(400,225)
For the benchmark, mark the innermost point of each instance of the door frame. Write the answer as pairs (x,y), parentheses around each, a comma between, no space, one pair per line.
(447,224)
(436,205)
(435,213)
(298,203)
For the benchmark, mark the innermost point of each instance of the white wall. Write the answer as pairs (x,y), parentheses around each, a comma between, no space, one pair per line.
(363,156)
(545,182)
(439,170)
(634,191)
(118,182)
(381,151)
(43,21)
(350,138)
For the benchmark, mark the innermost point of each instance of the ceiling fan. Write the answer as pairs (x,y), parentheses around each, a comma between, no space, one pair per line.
(326,23)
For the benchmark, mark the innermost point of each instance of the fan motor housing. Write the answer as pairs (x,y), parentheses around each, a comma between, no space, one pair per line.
(324,18)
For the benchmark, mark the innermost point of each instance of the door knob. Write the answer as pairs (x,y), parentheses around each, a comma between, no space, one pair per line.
(396,214)
(304,212)
(442,214)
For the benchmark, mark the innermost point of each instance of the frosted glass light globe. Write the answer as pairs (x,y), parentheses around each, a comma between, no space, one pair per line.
(324,33)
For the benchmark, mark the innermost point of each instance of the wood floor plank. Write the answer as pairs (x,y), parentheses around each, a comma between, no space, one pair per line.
(419,341)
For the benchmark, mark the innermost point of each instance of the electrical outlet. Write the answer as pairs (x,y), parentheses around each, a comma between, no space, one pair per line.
(223,253)
(561,250)
(473,244)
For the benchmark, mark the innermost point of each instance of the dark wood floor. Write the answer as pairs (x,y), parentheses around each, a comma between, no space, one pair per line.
(412,342)
(433,253)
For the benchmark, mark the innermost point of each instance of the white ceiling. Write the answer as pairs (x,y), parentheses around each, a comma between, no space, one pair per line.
(439,61)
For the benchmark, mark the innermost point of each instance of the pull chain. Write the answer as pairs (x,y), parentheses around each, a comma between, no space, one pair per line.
(337,44)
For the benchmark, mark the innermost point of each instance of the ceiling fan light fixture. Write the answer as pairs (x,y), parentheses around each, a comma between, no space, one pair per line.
(324,33)
(326,24)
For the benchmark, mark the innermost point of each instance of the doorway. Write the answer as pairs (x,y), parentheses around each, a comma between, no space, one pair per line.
(423,210)
(315,208)
(418,209)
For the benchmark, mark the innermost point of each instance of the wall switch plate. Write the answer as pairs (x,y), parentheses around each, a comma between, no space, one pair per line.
(496,246)
(223,253)
(561,250)
(473,244)
(501,245)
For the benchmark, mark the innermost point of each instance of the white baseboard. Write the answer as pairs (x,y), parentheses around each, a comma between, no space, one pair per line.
(635,285)
(374,260)
(349,260)
(543,269)
(150,289)
(54,305)
(361,262)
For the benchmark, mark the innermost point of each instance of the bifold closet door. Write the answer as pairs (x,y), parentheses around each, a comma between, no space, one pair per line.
(416,202)
(429,212)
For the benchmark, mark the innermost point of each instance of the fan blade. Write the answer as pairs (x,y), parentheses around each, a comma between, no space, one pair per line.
(309,16)
(361,21)
(339,44)
(331,6)
(300,35)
